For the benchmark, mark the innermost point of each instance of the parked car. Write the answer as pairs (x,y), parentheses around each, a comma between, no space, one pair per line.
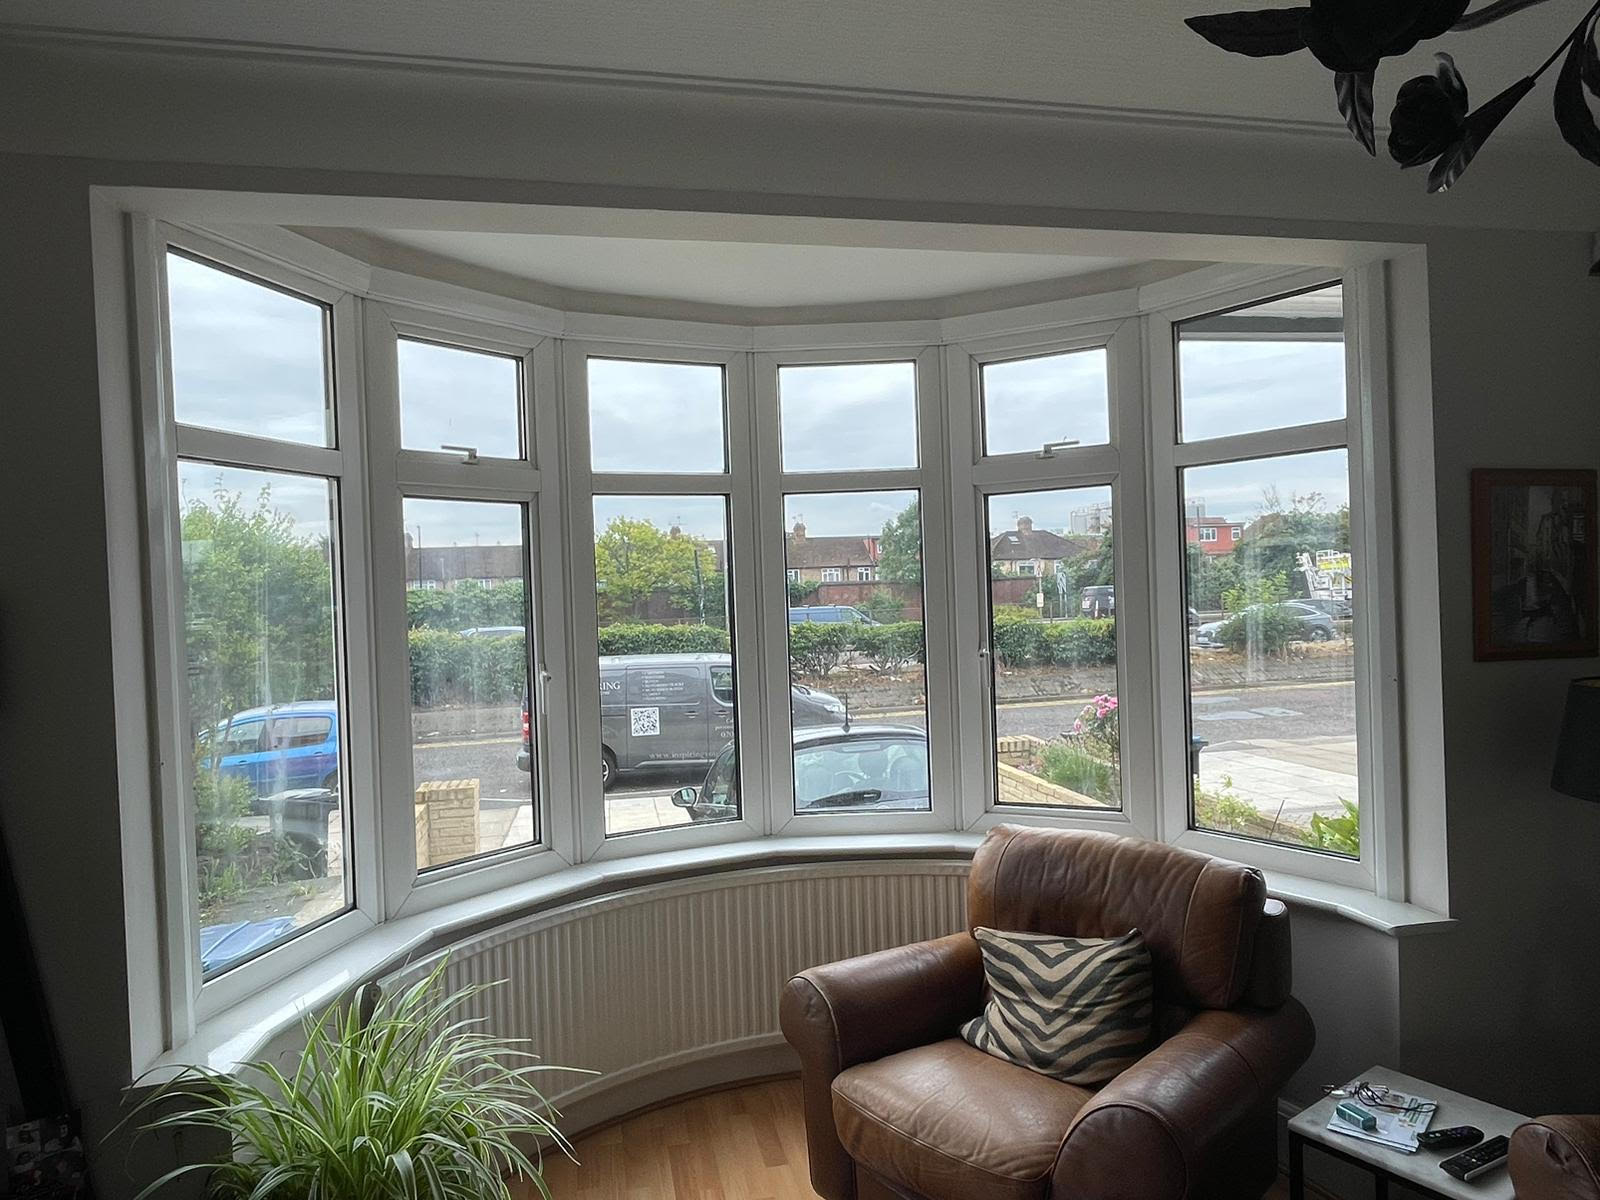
(494,631)
(1315,625)
(665,710)
(1337,607)
(863,768)
(830,614)
(277,748)
(1099,601)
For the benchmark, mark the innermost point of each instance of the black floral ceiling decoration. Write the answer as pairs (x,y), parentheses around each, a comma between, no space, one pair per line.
(1432,121)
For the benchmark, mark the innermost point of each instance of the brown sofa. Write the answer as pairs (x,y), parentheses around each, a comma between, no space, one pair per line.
(896,1105)
(1556,1158)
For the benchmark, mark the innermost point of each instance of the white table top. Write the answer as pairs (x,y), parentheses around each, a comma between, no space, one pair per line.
(1423,1166)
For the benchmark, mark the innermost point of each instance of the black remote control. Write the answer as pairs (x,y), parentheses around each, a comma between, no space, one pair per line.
(1469,1164)
(1449,1139)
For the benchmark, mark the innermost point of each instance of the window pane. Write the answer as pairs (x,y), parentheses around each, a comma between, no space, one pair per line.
(1052,605)
(1271,653)
(656,417)
(854,416)
(667,682)
(453,397)
(259,556)
(471,722)
(857,694)
(246,358)
(1031,401)
(1268,366)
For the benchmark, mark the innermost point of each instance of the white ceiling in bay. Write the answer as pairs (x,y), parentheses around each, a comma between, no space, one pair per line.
(743,273)
(1115,55)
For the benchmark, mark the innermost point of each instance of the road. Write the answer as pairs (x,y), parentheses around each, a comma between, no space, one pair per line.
(1222,718)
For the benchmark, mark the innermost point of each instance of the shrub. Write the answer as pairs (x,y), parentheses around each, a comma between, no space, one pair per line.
(815,650)
(663,639)
(1018,639)
(889,647)
(1261,630)
(1082,642)
(1341,834)
(1069,765)
(447,668)
(1225,811)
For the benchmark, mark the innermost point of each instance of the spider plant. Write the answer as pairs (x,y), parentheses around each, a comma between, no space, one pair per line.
(393,1098)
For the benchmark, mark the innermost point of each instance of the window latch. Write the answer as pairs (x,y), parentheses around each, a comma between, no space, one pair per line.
(1048,450)
(469,454)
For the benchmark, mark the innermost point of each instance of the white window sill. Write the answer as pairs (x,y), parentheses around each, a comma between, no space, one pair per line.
(241,1032)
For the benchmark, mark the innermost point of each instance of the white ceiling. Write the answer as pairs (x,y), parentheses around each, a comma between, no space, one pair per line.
(1118,56)
(745,274)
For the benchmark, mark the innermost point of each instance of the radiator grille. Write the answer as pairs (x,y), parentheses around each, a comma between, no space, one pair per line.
(627,983)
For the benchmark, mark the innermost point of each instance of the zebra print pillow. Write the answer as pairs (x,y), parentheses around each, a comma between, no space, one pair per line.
(1078,1009)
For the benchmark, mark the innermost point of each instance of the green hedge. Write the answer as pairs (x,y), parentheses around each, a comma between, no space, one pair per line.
(1023,641)
(663,639)
(887,647)
(447,668)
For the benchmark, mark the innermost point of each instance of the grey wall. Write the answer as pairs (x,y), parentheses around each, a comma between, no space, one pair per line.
(1505,1004)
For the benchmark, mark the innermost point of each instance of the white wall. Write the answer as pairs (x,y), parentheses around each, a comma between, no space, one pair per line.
(1505,1004)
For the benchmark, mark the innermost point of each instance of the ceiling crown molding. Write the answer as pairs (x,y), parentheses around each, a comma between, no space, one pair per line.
(220,48)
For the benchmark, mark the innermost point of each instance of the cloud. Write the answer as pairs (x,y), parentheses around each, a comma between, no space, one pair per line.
(1241,387)
(658,417)
(1234,491)
(849,417)
(459,398)
(1031,401)
(246,358)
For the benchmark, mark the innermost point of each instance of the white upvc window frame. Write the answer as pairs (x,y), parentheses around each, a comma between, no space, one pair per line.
(1119,465)
(191,998)
(928,480)
(556,484)
(1363,433)
(745,593)
(399,473)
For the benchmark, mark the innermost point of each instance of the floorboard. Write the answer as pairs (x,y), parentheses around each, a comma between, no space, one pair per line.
(745,1143)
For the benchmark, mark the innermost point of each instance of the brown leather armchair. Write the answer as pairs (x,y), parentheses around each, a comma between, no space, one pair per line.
(1556,1158)
(898,1106)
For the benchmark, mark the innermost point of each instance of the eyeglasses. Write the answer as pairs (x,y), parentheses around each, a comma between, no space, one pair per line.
(1376,1095)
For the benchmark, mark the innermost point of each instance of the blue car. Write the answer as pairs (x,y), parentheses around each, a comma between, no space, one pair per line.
(277,748)
(829,614)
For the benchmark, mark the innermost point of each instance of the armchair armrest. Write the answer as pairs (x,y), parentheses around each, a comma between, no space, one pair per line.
(1556,1158)
(1160,1128)
(865,1008)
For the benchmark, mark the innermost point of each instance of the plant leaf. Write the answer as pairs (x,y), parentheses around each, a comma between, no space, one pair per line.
(1479,125)
(1591,62)
(1572,107)
(1354,90)
(1263,33)
(1595,270)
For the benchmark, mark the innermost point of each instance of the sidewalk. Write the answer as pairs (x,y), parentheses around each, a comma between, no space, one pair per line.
(1292,778)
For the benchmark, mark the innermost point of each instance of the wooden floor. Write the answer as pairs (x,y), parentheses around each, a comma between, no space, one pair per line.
(746,1143)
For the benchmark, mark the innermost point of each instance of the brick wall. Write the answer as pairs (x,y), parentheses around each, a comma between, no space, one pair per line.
(447,821)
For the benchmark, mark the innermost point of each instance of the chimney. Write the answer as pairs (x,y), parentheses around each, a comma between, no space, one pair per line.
(799,532)
(1024,524)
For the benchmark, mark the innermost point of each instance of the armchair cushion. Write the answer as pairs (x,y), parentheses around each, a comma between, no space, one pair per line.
(1078,1009)
(949,1122)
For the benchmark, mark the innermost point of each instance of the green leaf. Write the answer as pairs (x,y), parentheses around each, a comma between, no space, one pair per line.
(1354,92)
(1263,33)
(1573,116)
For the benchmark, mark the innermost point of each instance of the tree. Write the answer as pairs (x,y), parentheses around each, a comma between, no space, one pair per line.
(1286,529)
(258,608)
(900,547)
(634,559)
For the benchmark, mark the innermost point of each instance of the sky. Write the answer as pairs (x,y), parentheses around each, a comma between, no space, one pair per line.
(248,358)
(1030,401)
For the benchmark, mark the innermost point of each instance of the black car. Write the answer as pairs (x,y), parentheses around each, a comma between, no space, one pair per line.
(863,768)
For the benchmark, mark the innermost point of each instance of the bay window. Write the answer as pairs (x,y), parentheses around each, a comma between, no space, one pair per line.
(442,603)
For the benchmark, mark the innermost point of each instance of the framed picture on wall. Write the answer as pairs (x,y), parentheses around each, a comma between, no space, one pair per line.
(1535,577)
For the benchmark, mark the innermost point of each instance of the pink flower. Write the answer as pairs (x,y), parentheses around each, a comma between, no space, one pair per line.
(1077,727)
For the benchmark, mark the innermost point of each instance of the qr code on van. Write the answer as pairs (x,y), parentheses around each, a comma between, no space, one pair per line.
(645,722)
